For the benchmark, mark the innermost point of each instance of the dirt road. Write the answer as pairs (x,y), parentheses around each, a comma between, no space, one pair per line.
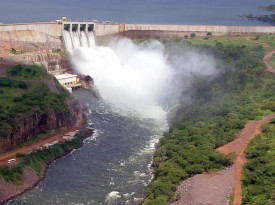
(263,44)
(239,145)
(80,121)
(266,61)
(205,189)
(215,189)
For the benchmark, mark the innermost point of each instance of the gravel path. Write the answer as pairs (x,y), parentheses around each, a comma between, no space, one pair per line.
(205,189)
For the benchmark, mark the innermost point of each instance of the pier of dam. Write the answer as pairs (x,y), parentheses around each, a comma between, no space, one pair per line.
(54,34)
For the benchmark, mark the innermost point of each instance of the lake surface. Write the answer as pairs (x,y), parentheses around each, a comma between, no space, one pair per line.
(112,167)
(226,12)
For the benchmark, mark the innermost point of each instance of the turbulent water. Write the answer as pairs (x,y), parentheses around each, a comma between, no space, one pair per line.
(111,168)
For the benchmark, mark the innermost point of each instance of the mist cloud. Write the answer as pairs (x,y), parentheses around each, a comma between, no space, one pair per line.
(142,77)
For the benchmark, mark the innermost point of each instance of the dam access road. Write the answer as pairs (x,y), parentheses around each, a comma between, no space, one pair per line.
(215,188)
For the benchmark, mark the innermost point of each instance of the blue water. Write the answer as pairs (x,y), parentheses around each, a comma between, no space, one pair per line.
(226,12)
(111,168)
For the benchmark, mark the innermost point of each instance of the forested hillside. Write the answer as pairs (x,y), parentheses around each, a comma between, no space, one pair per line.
(30,103)
(219,109)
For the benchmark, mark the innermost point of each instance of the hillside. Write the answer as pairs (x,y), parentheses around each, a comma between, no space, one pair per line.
(219,109)
(31,103)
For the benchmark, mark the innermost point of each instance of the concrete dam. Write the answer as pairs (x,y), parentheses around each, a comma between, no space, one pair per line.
(69,35)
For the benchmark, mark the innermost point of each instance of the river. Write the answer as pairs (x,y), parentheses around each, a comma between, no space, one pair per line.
(112,167)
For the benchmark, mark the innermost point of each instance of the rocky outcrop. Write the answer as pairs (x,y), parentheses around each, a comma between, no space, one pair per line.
(33,123)
(8,190)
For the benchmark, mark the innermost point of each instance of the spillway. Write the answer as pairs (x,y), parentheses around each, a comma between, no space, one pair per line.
(68,41)
(76,39)
(83,39)
(91,38)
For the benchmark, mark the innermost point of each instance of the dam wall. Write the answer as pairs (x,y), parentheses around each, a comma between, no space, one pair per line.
(52,34)
(105,31)
(48,33)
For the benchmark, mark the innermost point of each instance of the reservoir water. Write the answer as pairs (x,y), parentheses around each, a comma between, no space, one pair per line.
(135,11)
(111,168)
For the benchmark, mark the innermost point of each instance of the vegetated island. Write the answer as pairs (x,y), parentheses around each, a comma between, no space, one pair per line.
(219,109)
(35,109)
(267,18)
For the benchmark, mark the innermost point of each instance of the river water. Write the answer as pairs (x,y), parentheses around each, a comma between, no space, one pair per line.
(225,12)
(112,167)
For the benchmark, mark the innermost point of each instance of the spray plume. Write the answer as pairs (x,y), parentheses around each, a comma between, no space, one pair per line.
(139,77)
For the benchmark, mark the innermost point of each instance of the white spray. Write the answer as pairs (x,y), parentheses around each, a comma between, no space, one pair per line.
(137,77)
(127,75)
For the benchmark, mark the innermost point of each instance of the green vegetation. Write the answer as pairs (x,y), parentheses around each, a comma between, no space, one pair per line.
(220,107)
(266,38)
(37,160)
(259,171)
(270,18)
(23,92)
(272,61)
(231,199)
(15,52)
(28,72)
(62,53)
(270,8)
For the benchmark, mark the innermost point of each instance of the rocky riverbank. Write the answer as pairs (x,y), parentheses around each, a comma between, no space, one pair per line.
(30,177)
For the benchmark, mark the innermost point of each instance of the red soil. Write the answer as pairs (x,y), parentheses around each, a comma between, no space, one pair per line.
(266,61)
(80,122)
(238,146)
(215,189)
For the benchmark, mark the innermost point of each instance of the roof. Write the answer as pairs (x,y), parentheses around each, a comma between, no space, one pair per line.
(71,134)
(64,76)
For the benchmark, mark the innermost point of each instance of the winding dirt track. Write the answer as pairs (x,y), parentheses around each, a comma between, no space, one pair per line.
(80,121)
(239,145)
(263,44)
(215,189)
(266,61)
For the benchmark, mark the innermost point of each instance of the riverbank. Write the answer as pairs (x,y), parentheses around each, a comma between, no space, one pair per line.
(28,170)
(220,109)
(30,177)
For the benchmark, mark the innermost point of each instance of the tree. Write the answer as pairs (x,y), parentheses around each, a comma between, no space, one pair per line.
(192,35)
(209,34)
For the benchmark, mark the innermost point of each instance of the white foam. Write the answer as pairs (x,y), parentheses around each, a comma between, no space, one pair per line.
(129,76)
(112,197)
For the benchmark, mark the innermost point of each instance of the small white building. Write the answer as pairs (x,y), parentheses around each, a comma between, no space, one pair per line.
(69,81)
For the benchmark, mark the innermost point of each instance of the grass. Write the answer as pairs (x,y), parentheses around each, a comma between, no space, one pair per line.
(235,41)
(266,38)
(272,61)
(231,199)
(37,160)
